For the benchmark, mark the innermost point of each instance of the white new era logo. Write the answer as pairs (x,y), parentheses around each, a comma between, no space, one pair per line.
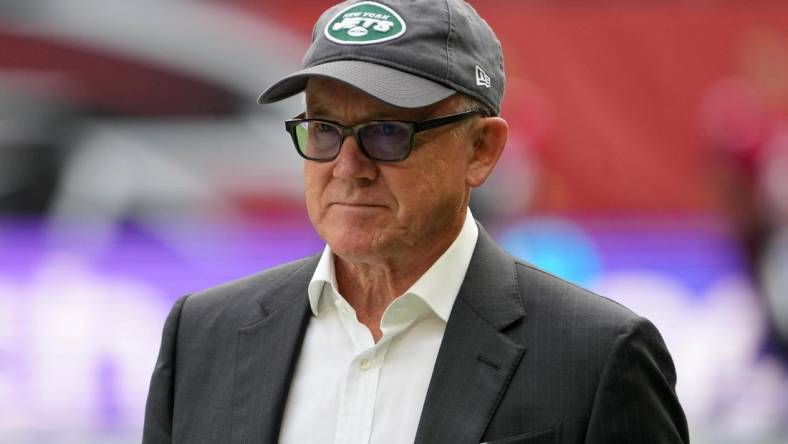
(482,79)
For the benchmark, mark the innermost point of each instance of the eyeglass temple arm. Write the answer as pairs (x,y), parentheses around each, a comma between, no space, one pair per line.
(445,120)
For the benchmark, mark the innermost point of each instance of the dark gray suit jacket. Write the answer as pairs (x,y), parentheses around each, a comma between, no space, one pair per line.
(526,358)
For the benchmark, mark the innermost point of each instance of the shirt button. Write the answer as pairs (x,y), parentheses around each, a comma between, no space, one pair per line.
(364,364)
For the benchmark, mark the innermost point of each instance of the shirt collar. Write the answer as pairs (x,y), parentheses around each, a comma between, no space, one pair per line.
(324,276)
(437,287)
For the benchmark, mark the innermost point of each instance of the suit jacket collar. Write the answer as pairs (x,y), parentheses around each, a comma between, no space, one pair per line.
(491,286)
(476,361)
(472,371)
(267,353)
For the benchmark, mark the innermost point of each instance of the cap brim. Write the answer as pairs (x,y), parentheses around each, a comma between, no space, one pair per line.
(389,85)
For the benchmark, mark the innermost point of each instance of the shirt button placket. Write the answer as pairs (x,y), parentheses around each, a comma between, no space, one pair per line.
(368,392)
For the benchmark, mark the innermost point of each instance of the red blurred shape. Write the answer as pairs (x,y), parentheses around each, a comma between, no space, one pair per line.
(112,83)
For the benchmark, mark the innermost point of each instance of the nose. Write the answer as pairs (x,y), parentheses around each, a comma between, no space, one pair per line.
(351,164)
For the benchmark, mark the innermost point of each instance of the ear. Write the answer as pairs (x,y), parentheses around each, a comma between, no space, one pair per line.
(489,137)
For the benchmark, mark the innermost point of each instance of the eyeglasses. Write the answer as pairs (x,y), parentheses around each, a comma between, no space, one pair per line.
(380,140)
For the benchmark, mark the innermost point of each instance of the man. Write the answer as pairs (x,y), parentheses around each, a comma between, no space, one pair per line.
(412,325)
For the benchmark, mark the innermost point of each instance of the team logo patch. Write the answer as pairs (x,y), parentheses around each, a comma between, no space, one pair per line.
(365,23)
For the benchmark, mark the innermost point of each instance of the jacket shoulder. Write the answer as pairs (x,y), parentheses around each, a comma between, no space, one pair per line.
(243,299)
(591,365)
(545,293)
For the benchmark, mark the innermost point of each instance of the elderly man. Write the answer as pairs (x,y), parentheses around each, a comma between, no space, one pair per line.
(412,325)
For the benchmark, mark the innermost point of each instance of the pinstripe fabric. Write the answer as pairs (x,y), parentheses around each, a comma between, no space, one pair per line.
(526,359)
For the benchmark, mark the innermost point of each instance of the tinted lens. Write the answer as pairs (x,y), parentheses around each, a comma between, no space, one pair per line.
(386,140)
(318,140)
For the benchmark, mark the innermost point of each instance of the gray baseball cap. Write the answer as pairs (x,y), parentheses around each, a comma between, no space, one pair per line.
(407,53)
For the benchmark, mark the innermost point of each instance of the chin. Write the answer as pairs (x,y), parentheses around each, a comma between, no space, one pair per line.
(356,243)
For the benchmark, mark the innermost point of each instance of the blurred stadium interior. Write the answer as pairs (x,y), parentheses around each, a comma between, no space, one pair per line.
(648,161)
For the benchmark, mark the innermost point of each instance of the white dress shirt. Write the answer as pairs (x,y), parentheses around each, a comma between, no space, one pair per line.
(347,389)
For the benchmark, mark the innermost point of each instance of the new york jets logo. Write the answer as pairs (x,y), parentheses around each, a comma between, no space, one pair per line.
(364,23)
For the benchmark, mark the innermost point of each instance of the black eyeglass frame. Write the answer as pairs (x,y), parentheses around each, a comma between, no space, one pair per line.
(344,131)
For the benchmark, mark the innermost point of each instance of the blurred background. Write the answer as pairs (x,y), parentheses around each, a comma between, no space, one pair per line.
(648,161)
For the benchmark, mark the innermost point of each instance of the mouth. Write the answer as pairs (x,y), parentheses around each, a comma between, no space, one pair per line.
(356,205)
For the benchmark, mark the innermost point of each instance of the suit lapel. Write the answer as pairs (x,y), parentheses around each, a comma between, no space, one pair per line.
(267,353)
(476,361)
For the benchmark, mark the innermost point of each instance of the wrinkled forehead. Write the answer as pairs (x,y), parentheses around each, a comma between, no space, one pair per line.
(326,98)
